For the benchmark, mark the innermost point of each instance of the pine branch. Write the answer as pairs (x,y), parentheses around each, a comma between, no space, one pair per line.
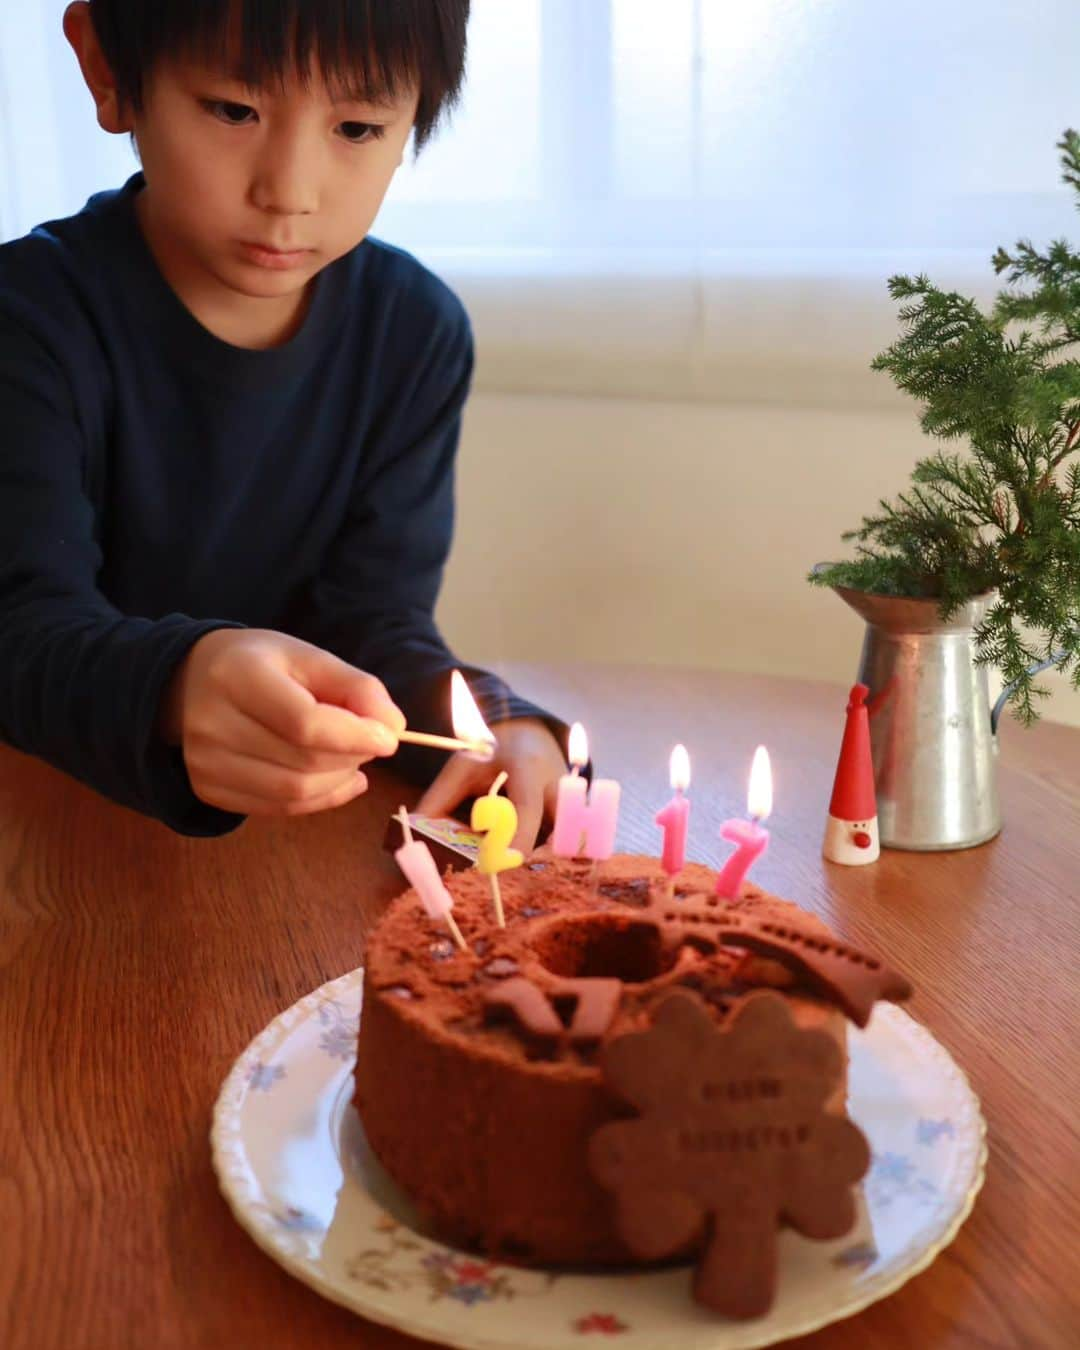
(1004,518)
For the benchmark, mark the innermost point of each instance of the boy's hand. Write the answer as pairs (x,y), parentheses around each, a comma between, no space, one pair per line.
(271,725)
(534,761)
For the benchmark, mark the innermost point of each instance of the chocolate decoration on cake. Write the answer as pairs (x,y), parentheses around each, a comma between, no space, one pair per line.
(584,1007)
(525,1002)
(593,1000)
(840,972)
(637,892)
(799,943)
(732,1137)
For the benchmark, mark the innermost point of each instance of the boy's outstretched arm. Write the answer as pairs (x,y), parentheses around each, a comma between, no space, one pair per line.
(80,682)
(195,721)
(373,602)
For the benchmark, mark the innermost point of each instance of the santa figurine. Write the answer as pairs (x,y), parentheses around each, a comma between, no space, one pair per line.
(851,830)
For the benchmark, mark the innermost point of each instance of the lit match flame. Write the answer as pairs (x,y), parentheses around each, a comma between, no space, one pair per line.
(468,724)
(680,769)
(759,797)
(579,746)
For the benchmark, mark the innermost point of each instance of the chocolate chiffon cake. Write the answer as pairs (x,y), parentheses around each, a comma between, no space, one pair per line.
(509,1088)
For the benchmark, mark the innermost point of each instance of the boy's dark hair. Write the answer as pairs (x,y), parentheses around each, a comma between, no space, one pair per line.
(372,48)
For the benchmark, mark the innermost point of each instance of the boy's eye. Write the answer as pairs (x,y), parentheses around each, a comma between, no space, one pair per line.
(356,133)
(234,114)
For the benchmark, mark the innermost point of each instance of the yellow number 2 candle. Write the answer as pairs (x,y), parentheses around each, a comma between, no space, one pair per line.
(496,819)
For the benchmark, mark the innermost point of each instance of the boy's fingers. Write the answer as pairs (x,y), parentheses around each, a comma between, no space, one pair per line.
(290,710)
(551,799)
(245,805)
(333,681)
(246,736)
(530,809)
(454,782)
(226,768)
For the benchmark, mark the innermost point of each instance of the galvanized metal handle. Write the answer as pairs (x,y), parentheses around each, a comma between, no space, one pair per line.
(1003,697)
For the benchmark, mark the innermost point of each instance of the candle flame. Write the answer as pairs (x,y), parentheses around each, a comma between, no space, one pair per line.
(759,797)
(468,724)
(680,769)
(579,746)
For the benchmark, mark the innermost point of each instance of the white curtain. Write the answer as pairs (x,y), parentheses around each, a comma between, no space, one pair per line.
(52,154)
(681,197)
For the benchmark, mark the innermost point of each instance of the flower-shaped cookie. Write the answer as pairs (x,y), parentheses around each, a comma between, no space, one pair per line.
(732,1138)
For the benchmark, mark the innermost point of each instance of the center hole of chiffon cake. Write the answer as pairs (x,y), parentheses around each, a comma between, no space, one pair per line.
(603,945)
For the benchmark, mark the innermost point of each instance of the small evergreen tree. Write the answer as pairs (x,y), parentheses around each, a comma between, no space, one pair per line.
(1005,518)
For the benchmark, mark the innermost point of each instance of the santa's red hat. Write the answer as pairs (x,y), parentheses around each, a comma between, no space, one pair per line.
(853,789)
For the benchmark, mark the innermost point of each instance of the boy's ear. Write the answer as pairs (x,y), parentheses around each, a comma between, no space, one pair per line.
(112,114)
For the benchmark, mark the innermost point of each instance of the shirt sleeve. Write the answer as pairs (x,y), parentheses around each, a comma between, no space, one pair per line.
(374,600)
(80,682)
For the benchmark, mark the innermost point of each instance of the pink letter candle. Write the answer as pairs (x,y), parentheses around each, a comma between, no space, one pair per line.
(415,860)
(674,817)
(748,836)
(585,823)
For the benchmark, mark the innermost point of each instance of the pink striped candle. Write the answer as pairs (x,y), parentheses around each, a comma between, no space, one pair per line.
(415,860)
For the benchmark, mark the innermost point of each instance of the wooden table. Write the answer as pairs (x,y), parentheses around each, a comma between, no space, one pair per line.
(136,965)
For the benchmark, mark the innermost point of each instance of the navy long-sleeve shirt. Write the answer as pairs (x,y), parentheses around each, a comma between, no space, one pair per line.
(157,483)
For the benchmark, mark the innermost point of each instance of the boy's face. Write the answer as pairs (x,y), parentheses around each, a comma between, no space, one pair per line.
(254,192)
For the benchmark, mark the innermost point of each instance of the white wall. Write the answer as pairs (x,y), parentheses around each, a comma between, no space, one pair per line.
(668,532)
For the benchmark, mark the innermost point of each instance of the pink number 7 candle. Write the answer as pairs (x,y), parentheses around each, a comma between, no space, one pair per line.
(674,818)
(585,823)
(748,836)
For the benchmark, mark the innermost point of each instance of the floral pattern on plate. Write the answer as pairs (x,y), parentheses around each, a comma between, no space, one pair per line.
(444,1272)
(606,1323)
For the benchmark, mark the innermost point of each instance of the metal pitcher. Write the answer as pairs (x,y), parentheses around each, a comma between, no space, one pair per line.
(933,734)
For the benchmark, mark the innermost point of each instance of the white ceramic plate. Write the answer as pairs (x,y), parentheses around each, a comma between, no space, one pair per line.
(293,1163)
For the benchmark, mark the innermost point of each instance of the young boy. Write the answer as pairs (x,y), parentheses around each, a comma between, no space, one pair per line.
(229,423)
